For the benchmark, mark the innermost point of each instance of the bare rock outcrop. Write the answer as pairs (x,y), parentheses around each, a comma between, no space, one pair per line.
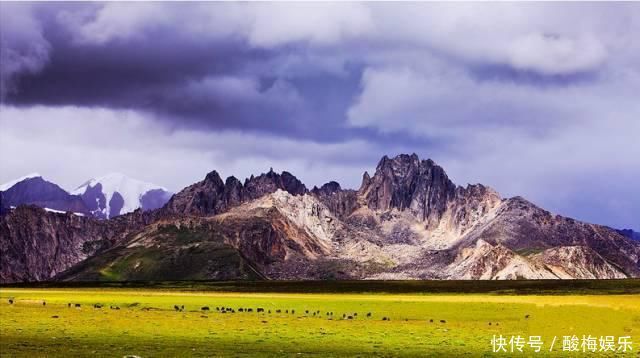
(213,196)
(36,244)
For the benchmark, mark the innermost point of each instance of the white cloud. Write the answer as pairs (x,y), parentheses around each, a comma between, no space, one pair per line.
(317,23)
(263,25)
(445,100)
(548,38)
(68,145)
(552,55)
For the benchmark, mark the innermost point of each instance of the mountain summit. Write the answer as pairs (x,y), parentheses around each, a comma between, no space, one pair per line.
(116,194)
(33,189)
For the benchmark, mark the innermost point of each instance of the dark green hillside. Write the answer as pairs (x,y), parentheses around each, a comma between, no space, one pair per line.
(168,252)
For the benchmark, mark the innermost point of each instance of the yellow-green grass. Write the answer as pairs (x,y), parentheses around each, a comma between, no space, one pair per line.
(147,324)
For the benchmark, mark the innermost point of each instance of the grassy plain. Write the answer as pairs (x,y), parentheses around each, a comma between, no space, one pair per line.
(147,324)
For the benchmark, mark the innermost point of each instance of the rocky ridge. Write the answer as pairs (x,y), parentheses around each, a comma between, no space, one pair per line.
(406,221)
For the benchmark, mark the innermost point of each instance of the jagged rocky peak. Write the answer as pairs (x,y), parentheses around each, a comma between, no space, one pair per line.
(214,179)
(206,197)
(407,183)
(233,191)
(213,196)
(366,180)
(340,202)
(327,188)
(256,187)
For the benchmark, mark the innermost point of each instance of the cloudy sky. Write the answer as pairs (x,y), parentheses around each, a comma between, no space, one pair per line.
(536,99)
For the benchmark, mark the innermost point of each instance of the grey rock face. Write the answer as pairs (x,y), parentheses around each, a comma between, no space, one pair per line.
(407,183)
(35,245)
(340,202)
(523,227)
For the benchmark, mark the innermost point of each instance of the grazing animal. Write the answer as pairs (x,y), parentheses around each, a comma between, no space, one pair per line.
(68,305)
(182,307)
(344,315)
(205,308)
(260,309)
(349,317)
(97,306)
(527,316)
(286,311)
(278,311)
(489,323)
(78,305)
(384,318)
(240,310)
(355,314)
(269,312)
(217,308)
(44,303)
(443,321)
(10,301)
(250,310)
(175,307)
(431,321)
(54,316)
(293,311)
(369,314)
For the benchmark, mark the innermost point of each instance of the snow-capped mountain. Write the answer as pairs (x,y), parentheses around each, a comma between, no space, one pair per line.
(33,189)
(6,186)
(116,194)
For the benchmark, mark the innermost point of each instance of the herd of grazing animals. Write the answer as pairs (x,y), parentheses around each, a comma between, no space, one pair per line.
(223,309)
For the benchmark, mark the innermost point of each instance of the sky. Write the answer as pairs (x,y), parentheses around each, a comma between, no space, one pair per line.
(539,100)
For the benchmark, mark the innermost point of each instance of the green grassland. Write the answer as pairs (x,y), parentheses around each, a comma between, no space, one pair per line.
(147,324)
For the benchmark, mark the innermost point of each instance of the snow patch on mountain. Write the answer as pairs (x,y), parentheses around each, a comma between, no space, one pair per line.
(120,189)
(8,185)
(62,212)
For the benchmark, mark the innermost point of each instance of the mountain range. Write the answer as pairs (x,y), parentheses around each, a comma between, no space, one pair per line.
(105,197)
(406,221)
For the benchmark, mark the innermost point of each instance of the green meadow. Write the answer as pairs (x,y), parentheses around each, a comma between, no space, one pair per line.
(419,323)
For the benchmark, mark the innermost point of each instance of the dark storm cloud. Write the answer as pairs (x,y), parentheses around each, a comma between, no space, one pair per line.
(163,72)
